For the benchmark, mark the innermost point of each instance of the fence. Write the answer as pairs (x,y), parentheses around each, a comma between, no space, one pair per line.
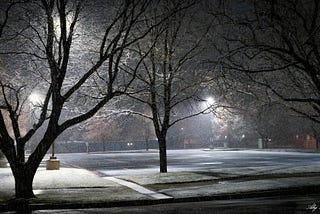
(82,146)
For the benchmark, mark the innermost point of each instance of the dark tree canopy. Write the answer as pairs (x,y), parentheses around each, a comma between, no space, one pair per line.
(275,44)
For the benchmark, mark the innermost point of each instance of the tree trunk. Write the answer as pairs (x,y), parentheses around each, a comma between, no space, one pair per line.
(163,154)
(23,181)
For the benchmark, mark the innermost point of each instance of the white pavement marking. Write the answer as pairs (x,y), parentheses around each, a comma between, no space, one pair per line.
(138,188)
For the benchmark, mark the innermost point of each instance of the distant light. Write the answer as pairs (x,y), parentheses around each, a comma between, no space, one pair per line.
(210,101)
(35,98)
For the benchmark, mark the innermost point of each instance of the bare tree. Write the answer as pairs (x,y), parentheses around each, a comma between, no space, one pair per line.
(276,45)
(72,50)
(171,77)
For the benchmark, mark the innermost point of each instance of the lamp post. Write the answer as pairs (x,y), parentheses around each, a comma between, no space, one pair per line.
(210,102)
(53,163)
(36,100)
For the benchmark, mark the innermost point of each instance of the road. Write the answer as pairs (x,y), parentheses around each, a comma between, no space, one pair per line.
(291,204)
(126,163)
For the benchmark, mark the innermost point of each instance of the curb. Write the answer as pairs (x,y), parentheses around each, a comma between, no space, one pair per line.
(24,205)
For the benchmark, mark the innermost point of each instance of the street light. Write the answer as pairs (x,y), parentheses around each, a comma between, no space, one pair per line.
(36,100)
(209,103)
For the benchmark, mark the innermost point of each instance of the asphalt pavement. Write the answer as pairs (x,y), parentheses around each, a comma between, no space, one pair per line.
(191,160)
(72,188)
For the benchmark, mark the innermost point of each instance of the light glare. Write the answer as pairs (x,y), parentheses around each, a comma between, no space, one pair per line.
(35,99)
(210,101)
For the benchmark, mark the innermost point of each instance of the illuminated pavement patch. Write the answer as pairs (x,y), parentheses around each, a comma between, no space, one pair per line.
(138,188)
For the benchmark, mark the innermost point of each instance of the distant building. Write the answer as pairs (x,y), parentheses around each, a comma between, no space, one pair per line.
(305,141)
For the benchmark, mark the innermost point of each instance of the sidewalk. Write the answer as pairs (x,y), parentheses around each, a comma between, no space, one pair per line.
(79,188)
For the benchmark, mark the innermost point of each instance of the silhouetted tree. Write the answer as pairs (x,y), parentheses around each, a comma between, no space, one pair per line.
(275,44)
(171,77)
(72,52)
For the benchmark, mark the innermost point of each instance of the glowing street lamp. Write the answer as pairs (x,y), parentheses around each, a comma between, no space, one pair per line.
(36,101)
(210,101)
